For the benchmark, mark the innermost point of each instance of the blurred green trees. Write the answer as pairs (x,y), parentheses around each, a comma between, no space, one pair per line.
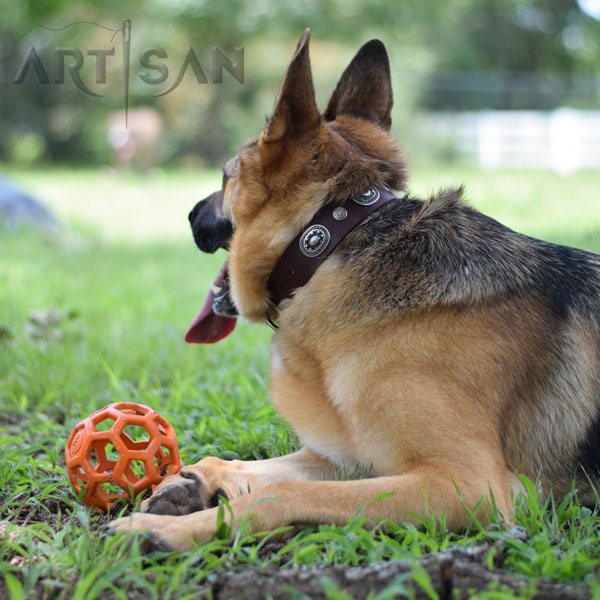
(452,55)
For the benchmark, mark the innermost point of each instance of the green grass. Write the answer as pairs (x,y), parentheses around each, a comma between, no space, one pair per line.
(126,281)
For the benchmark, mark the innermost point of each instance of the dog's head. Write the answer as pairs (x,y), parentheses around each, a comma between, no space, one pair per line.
(301,160)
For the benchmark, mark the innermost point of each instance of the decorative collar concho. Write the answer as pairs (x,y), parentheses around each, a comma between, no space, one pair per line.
(328,227)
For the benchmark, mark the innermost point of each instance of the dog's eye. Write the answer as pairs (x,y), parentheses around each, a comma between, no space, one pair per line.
(225,177)
(315,157)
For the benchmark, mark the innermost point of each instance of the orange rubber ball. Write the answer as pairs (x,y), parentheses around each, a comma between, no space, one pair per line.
(119,451)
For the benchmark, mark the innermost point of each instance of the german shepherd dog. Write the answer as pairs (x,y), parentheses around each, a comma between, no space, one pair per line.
(433,345)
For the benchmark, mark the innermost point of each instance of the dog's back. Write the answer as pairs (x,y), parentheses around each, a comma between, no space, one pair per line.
(508,319)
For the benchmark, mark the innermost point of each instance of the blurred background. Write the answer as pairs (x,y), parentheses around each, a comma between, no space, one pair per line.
(489,82)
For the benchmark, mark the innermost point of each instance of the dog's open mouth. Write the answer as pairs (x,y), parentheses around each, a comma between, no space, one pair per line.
(217,317)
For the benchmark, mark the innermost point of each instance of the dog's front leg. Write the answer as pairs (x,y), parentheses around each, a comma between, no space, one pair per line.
(199,486)
(429,489)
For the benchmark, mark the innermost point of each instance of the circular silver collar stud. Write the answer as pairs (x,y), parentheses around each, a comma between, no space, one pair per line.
(367,198)
(340,213)
(314,240)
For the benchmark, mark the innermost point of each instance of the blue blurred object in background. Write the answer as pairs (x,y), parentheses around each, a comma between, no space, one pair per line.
(19,208)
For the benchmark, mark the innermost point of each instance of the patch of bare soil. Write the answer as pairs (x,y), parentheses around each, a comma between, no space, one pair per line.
(7,419)
(52,512)
(454,574)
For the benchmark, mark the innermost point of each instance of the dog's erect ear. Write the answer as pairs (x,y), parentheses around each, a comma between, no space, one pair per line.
(365,88)
(295,112)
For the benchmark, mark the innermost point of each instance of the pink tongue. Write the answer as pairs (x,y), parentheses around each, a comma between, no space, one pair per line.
(208,327)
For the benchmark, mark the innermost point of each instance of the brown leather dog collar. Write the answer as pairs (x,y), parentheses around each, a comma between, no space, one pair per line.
(328,227)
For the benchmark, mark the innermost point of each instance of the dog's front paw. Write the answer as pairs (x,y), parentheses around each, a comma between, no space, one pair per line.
(163,533)
(177,495)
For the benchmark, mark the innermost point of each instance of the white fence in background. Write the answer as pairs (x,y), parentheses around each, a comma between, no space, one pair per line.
(564,140)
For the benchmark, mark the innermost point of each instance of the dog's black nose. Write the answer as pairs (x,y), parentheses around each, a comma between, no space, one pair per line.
(194,212)
(210,229)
